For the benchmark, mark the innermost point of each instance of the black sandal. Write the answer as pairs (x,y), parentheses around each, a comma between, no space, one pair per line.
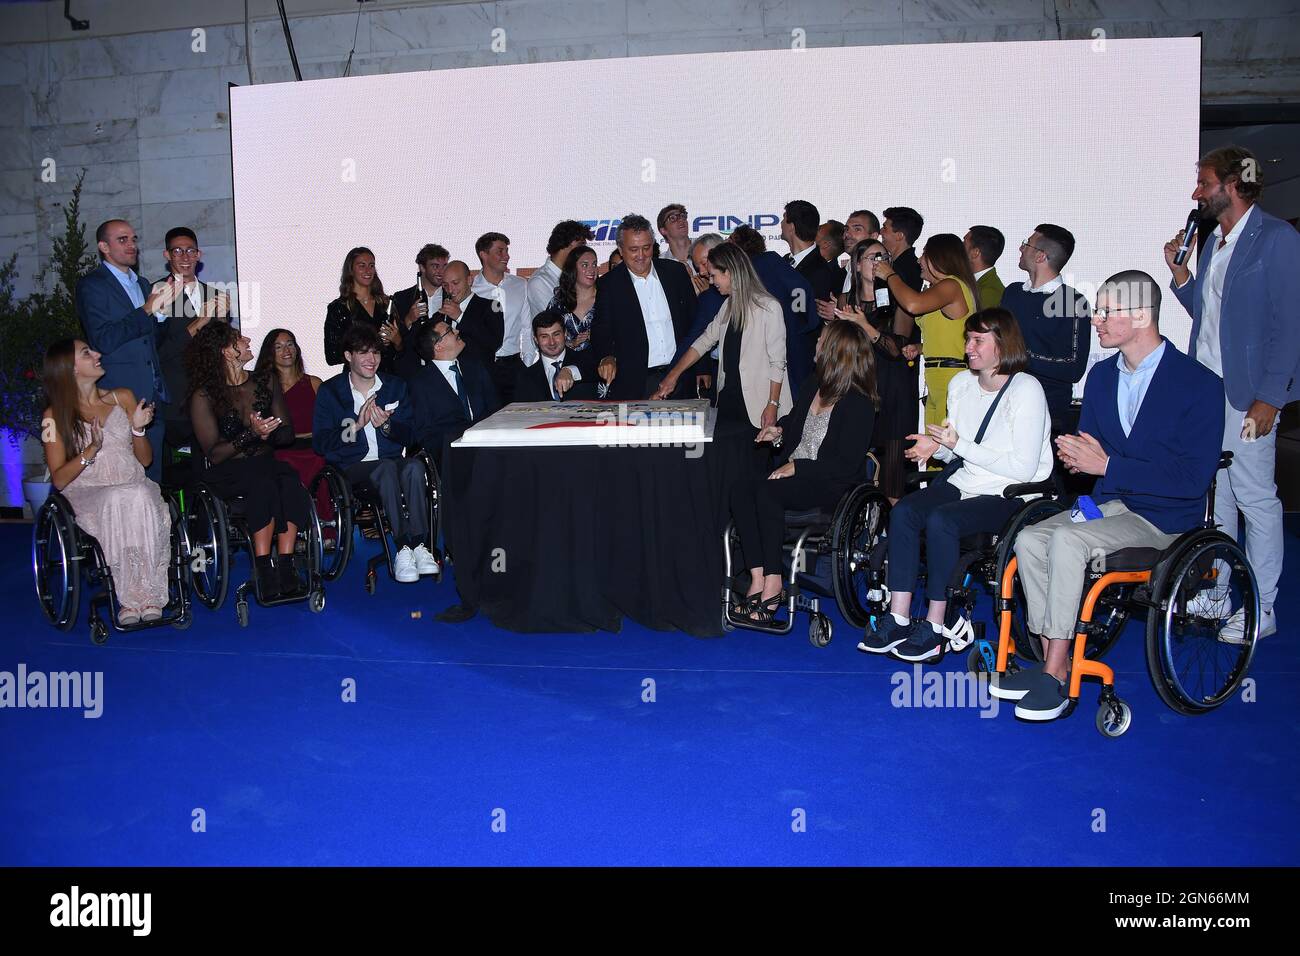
(766,609)
(743,608)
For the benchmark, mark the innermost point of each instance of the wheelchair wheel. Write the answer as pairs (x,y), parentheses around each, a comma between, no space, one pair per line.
(178,576)
(335,531)
(1193,671)
(1114,718)
(859,521)
(434,483)
(1035,511)
(206,523)
(819,631)
(56,562)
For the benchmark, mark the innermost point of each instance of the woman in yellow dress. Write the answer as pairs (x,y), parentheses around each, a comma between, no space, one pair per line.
(941,312)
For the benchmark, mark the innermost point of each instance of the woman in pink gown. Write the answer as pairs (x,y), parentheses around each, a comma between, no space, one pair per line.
(96,450)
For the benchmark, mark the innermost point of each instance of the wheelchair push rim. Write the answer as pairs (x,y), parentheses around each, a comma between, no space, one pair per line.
(1192,669)
(55,554)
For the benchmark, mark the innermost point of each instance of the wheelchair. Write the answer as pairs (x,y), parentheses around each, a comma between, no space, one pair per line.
(825,557)
(65,558)
(1192,670)
(217,529)
(360,508)
(980,568)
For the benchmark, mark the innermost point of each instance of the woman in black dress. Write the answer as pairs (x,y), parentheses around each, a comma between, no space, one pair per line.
(361,299)
(239,419)
(870,307)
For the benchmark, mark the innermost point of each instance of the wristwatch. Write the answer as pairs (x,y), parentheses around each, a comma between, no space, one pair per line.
(774,403)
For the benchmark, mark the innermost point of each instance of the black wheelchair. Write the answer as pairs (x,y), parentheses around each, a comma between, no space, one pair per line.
(980,568)
(826,556)
(217,529)
(1186,591)
(359,508)
(65,558)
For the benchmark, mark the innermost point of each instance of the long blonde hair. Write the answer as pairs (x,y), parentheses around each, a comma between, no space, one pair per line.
(747,292)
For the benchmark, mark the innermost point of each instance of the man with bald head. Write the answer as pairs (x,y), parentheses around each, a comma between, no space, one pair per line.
(479,324)
(1150,430)
(117,311)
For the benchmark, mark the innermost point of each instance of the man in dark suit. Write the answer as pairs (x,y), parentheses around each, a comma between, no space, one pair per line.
(450,392)
(479,322)
(558,374)
(414,306)
(830,244)
(784,283)
(116,308)
(799,228)
(195,307)
(644,310)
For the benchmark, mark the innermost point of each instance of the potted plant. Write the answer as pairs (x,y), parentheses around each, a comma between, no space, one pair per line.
(27,327)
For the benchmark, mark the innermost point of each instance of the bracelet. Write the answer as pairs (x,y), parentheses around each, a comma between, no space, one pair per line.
(774,403)
(86,462)
(137,434)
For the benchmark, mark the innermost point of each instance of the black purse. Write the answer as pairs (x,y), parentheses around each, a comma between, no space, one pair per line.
(950,469)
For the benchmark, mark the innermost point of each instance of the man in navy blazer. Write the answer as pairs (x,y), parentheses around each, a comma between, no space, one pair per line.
(1149,429)
(1244,302)
(116,308)
(441,416)
(361,425)
(635,349)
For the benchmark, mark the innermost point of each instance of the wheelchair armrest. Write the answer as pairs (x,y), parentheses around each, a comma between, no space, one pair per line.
(1046,487)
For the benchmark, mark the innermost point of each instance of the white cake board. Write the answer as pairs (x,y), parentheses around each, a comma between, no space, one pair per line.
(604,424)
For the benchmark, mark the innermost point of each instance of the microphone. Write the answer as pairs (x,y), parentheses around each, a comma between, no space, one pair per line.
(1189,236)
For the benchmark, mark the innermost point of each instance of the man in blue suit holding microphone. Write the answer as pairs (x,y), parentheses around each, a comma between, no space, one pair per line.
(1245,306)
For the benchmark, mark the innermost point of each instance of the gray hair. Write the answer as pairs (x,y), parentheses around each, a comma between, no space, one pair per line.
(708,240)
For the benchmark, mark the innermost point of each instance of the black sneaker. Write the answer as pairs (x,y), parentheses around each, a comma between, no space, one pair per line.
(1046,699)
(924,644)
(886,635)
(1017,685)
(268,580)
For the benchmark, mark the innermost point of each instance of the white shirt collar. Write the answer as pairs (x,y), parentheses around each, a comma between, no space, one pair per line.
(1235,232)
(1051,285)
(984,272)
(375,388)
(799,256)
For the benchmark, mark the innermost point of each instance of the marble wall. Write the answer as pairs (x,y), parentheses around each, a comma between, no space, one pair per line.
(144,113)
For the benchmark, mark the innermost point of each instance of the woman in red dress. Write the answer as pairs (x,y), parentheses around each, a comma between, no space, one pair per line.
(280,353)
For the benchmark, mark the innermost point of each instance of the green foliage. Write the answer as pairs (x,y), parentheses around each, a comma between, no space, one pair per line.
(29,325)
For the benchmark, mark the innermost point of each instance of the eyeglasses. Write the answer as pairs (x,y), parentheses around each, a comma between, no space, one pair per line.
(1032,246)
(183,251)
(675,217)
(1103,315)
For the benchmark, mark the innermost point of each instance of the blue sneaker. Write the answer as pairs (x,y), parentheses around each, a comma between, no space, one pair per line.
(924,644)
(1015,686)
(886,635)
(1046,699)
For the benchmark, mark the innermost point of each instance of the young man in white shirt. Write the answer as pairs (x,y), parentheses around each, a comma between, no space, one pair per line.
(675,227)
(565,237)
(509,295)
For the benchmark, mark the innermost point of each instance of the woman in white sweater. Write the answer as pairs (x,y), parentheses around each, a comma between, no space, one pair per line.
(1014,449)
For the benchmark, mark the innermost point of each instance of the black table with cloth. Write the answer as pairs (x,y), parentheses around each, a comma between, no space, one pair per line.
(575,538)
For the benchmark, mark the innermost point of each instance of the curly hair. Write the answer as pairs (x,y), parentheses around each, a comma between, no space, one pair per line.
(566,291)
(205,366)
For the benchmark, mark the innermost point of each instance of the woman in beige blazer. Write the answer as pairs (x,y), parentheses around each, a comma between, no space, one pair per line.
(753,388)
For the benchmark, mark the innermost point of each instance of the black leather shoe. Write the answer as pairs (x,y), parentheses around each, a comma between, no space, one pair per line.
(457,614)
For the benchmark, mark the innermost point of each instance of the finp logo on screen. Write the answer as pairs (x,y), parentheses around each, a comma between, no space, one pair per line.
(606,230)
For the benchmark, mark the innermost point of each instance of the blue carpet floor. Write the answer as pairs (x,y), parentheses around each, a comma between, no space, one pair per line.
(750,739)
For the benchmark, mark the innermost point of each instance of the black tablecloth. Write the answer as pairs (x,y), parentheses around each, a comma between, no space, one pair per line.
(577,538)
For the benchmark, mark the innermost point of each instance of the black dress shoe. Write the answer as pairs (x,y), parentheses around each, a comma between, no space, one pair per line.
(457,614)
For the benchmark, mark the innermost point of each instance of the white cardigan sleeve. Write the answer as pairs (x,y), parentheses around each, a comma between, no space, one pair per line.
(1028,408)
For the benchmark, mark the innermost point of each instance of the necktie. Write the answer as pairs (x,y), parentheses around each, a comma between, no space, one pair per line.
(555,391)
(789,258)
(460,390)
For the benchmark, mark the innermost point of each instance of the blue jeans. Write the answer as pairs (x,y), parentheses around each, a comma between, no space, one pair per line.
(938,512)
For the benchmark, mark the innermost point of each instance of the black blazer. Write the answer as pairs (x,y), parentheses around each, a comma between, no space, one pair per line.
(842,457)
(821,275)
(483,327)
(530,382)
(618,327)
(439,415)
(173,339)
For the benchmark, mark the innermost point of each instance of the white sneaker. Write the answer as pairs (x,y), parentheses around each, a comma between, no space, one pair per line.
(1232,631)
(404,567)
(1211,605)
(425,562)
